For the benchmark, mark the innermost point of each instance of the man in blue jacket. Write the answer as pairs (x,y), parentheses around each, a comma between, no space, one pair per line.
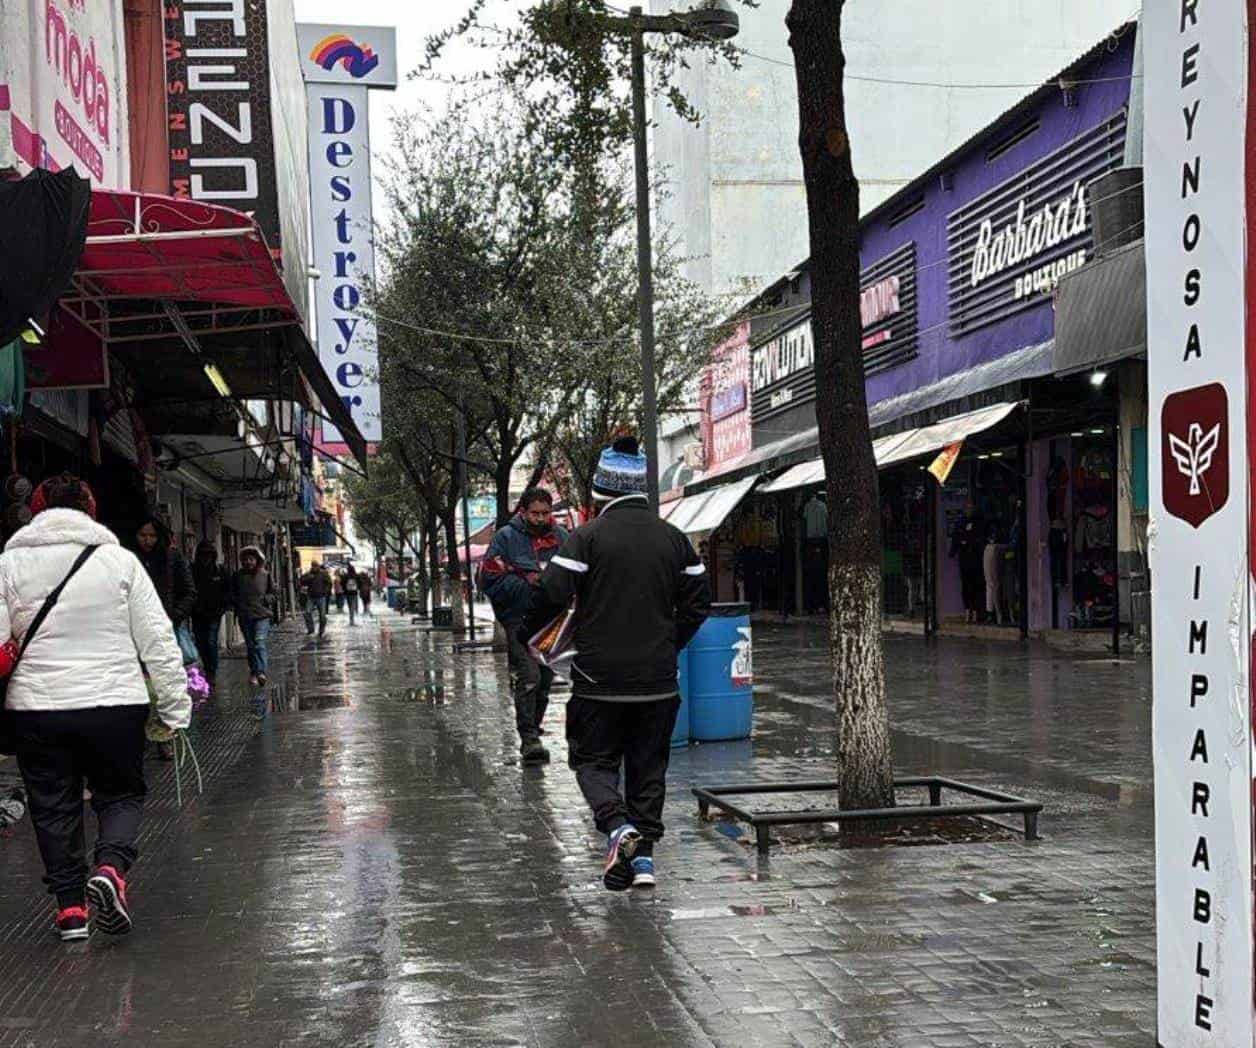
(512,569)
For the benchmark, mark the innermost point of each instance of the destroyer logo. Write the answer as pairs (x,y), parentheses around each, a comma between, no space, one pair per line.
(1195,466)
(357,60)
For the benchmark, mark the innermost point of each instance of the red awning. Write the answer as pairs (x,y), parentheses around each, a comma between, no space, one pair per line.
(157,268)
(144,246)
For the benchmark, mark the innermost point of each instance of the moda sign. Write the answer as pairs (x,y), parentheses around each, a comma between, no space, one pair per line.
(1200,365)
(63,87)
(1010,246)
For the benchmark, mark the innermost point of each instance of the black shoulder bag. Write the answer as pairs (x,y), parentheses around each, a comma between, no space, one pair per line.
(8,738)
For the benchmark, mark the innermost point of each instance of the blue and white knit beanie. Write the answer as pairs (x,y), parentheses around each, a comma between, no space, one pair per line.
(620,470)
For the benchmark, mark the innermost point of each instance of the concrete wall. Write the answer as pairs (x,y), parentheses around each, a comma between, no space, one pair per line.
(731,189)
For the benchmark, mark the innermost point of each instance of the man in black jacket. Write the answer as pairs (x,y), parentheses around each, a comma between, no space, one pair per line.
(641,594)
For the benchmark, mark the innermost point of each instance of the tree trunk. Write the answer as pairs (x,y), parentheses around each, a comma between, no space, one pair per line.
(457,599)
(865,769)
(432,527)
(502,482)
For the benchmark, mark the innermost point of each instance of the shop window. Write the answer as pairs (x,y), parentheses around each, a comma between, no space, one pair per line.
(1093,527)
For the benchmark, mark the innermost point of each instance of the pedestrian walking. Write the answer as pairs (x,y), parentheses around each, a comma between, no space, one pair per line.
(317,586)
(364,591)
(641,593)
(252,598)
(86,614)
(339,587)
(352,587)
(169,571)
(212,586)
(509,574)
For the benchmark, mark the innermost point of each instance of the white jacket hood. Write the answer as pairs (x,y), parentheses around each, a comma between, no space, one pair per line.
(59,527)
(109,619)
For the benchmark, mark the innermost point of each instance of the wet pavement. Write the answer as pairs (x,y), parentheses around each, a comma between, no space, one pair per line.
(369,865)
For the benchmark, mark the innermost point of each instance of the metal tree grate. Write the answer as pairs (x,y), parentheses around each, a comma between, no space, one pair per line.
(991,802)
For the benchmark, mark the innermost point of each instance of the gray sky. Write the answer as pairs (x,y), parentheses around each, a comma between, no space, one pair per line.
(415,20)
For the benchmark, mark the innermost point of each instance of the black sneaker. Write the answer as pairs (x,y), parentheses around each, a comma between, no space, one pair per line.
(532,752)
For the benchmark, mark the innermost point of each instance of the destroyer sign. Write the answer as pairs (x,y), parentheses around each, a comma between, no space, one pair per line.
(339,64)
(1197,223)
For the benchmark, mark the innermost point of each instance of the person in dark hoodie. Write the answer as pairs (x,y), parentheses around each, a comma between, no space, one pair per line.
(252,597)
(511,570)
(212,587)
(169,570)
(641,593)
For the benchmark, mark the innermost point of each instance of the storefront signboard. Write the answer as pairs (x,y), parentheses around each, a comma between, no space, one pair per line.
(1200,328)
(340,65)
(63,88)
(887,310)
(218,108)
(783,367)
(1009,247)
(726,433)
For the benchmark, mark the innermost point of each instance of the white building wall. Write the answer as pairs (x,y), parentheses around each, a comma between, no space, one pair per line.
(731,194)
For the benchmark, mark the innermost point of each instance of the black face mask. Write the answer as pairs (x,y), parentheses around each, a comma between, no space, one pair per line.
(535,529)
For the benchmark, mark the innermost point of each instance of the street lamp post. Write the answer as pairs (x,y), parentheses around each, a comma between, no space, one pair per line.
(711,20)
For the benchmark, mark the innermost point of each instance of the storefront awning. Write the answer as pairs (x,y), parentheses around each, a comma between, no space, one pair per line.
(158,269)
(803,475)
(1101,311)
(916,442)
(900,447)
(697,514)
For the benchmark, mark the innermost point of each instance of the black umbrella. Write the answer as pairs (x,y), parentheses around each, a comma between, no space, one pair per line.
(43,227)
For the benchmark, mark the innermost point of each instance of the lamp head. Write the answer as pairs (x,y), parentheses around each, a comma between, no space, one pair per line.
(712,20)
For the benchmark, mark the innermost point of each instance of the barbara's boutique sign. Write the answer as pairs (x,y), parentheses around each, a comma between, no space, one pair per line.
(1199,359)
(1010,247)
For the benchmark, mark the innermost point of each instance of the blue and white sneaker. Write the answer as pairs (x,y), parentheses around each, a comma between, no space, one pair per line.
(643,871)
(620,847)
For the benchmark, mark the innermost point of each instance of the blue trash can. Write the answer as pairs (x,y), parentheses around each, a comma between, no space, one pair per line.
(721,686)
(681,733)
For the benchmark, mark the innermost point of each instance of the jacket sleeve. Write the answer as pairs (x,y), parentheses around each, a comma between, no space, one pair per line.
(497,576)
(693,596)
(184,590)
(559,584)
(156,647)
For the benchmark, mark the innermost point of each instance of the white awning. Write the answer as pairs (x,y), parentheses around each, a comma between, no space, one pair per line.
(901,446)
(929,439)
(802,475)
(696,514)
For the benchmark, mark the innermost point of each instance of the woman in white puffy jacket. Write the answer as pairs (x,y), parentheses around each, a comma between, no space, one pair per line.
(77,700)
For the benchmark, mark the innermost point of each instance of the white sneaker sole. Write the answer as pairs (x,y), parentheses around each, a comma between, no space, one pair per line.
(73,934)
(111,916)
(643,880)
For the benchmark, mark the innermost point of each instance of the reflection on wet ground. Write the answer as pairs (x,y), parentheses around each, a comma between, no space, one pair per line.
(368,865)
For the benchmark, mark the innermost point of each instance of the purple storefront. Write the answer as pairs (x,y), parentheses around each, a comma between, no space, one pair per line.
(961,269)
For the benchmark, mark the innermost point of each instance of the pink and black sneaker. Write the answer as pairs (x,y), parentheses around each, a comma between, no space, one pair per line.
(71,923)
(106,889)
(620,848)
